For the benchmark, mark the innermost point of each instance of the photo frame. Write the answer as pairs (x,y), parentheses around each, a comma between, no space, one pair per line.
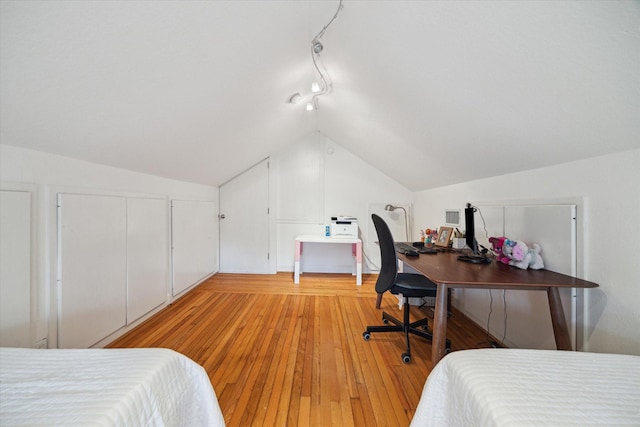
(444,236)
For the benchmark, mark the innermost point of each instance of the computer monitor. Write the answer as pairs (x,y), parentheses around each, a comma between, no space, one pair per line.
(470,232)
(470,235)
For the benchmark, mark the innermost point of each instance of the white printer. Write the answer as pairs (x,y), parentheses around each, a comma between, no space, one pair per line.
(344,226)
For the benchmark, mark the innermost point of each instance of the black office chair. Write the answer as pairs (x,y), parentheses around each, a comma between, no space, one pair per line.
(409,285)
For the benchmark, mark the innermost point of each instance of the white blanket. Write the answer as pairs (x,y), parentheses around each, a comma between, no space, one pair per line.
(508,387)
(104,387)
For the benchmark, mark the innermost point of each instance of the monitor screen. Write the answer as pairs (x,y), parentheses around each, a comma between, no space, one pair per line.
(469,227)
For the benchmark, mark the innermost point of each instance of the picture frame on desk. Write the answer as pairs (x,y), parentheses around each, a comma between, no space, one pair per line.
(444,236)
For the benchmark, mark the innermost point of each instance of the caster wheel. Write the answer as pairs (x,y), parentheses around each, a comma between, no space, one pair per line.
(447,350)
(366,336)
(406,358)
(385,321)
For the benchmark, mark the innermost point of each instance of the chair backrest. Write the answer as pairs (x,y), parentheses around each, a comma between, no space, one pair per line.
(388,256)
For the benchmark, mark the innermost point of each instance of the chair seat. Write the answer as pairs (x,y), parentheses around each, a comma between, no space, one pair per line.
(413,285)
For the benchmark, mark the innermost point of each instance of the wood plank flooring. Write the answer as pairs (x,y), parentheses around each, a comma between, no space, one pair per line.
(280,354)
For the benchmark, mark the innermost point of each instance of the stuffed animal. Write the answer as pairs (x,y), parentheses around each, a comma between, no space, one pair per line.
(536,262)
(521,256)
(518,253)
(507,249)
(497,245)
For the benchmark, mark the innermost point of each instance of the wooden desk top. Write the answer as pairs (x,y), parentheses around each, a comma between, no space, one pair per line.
(445,268)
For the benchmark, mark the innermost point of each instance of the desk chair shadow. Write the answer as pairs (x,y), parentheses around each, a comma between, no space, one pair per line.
(409,285)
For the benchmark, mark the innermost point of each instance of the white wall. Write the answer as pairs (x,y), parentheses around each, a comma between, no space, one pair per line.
(610,188)
(335,183)
(49,174)
(347,185)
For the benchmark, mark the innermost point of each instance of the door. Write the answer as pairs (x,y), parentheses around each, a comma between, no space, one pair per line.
(146,256)
(15,269)
(553,227)
(92,249)
(527,322)
(193,240)
(244,222)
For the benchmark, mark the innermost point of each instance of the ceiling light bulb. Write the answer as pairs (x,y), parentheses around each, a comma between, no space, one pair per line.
(315,87)
(310,106)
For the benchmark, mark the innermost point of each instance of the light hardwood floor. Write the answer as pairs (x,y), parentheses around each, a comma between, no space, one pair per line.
(280,354)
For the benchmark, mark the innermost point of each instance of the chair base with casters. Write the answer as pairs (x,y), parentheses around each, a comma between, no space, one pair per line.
(407,285)
(419,328)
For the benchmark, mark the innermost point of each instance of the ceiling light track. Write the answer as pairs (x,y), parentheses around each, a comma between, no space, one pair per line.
(324,86)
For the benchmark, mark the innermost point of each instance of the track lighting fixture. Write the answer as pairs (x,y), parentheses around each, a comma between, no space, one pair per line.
(322,87)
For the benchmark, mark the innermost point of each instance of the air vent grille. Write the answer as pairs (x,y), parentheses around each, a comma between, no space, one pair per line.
(452,217)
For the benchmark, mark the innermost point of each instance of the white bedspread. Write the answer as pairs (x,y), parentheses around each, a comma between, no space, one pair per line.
(105,387)
(509,387)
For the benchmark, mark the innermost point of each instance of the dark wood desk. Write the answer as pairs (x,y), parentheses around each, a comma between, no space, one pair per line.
(446,271)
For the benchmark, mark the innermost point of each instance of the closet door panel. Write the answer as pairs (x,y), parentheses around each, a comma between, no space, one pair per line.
(15,269)
(193,242)
(92,268)
(147,256)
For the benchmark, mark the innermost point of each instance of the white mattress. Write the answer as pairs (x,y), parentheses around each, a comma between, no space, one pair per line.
(508,387)
(98,387)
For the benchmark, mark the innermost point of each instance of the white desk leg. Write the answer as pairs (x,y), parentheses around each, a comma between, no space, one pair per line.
(296,268)
(358,263)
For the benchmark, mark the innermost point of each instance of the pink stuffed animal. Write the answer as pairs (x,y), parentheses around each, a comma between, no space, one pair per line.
(497,245)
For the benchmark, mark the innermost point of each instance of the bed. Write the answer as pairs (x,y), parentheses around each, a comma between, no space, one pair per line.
(512,387)
(104,387)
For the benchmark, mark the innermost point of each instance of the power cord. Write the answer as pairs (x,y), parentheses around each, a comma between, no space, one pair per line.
(490,341)
(504,292)
(484,227)
(369,261)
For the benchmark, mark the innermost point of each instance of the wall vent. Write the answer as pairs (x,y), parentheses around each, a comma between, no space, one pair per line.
(452,217)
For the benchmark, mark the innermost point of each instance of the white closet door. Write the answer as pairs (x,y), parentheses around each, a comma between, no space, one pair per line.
(194,238)
(92,268)
(553,227)
(15,269)
(147,256)
(244,222)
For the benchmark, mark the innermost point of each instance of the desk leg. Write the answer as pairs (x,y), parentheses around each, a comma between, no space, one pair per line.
(559,322)
(296,268)
(439,325)
(358,255)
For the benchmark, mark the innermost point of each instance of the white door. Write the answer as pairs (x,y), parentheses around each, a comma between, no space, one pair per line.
(194,243)
(244,222)
(553,227)
(92,257)
(147,260)
(15,269)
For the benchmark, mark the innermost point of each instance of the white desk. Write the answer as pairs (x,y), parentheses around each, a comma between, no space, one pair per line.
(356,250)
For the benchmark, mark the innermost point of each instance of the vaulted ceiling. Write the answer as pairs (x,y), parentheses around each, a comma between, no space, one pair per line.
(429,92)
